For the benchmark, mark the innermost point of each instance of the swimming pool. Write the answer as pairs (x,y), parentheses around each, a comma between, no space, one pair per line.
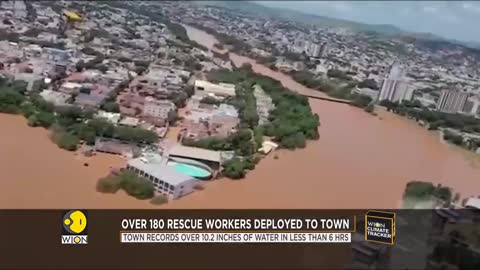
(190,170)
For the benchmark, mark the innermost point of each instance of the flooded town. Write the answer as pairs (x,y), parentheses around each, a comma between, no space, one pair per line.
(157,102)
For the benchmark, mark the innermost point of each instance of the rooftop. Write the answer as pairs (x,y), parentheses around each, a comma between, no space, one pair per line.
(221,88)
(129,121)
(194,152)
(473,203)
(161,171)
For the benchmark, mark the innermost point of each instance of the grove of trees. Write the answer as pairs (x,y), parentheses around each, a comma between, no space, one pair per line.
(435,120)
(132,184)
(291,124)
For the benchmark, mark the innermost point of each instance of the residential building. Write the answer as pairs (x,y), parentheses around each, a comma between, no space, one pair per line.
(298,65)
(221,89)
(312,49)
(452,101)
(129,121)
(373,94)
(57,98)
(32,51)
(58,59)
(113,118)
(89,100)
(112,146)
(70,87)
(165,178)
(472,106)
(158,108)
(473,203)
(426,101)
(395,88)
(56,55)
(60,67)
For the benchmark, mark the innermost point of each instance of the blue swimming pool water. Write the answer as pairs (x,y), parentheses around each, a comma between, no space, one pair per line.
(191,170)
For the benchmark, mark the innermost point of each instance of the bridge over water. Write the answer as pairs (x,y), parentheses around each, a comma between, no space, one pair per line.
(327,98)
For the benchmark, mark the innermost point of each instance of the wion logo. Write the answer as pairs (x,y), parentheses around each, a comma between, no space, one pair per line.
(380,227)
(74,228)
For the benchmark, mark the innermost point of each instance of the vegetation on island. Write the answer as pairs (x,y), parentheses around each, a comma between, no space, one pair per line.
(339,85)
(334,88)
(425,191)
(291,124)
(435,120)
(132,184)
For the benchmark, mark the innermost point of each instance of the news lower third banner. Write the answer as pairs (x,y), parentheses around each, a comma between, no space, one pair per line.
(227,239)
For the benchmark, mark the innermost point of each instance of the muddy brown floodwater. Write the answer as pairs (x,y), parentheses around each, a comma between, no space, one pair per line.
(360,161)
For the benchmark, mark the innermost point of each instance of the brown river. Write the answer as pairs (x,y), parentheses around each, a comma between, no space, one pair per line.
(360,161)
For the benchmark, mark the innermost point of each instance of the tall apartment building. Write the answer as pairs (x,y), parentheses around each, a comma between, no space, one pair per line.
(58,59)
(315,50)
(452,101)
(395,87)
(312,49)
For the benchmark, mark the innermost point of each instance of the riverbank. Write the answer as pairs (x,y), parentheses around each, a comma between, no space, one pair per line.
(356,155)
(36,173)
(329,89)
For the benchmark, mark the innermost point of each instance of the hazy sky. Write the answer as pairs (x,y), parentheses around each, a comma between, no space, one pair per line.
(452,19)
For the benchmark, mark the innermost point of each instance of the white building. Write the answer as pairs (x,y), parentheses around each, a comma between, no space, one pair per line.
(57,98)
(373,94)
(158,108)
(113,118)
(394,87)
(221,89)
(472,106)
(473,203)
(452,101)
(165,179)
(312,49)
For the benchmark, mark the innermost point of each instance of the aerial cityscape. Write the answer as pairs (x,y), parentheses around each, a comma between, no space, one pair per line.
(217,104)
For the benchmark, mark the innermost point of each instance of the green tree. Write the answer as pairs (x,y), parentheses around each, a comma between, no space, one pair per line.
(66,140)
(109,184)
(32,120)
(10,100)
(111,107)
(102,127)
(80,65)
(234,169)
(41,104)
(85,133)
(44,119)
(27,109)
(136,186)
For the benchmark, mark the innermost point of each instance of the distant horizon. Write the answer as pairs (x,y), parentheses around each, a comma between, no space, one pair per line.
(446,19)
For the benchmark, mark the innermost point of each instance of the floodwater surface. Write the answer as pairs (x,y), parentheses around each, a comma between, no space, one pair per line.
(360,161)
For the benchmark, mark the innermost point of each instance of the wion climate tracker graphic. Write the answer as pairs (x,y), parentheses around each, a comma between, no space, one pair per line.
(380,227)
(74,227)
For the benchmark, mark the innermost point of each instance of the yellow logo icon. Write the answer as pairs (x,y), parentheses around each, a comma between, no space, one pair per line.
(75,221)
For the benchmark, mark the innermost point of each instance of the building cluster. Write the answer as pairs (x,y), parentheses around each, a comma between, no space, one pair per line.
(427,73)
(131,68)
